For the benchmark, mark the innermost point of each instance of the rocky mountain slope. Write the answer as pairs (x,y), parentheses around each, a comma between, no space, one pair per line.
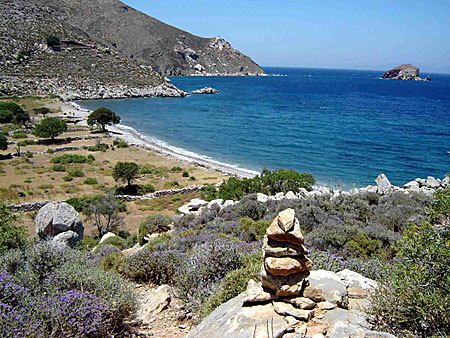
(77,67)
(168,50)
(104,49)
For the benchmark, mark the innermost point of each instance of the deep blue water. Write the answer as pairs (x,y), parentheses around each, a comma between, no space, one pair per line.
(340,125)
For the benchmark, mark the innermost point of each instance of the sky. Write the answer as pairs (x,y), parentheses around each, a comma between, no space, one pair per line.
(347,34)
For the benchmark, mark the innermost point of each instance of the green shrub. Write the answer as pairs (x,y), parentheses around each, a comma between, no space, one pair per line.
(171,184)
(19,135)
(91,157)
(90,181)
(69,158)
(176,169)
(25,143)
(257,227)
(87,243)
(185,174)
(120,144)
(99,147)
(153,224)
(68,178)
(234,283)
(115,261)
(59,167)
(6,116)
(11,236)
(53,41)
(76,173)
(415,295)
(50,151)
(149,169)
(42,111)
(116,241)
(192,178)
(29,154)
(154,267)
(269,182)
(148,188)
(19,116)
(49,283)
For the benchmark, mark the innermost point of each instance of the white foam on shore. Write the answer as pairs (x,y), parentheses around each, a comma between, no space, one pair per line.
(132,136)
(135,137)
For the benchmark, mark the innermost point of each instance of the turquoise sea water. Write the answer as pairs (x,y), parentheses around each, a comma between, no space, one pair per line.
(341,125)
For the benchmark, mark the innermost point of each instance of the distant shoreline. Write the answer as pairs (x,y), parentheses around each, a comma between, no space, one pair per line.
(133,137)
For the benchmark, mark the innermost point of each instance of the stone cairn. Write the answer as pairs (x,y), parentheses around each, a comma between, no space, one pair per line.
(284,270)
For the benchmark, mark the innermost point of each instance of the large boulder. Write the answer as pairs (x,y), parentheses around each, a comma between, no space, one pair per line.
(383,184)
(56,218)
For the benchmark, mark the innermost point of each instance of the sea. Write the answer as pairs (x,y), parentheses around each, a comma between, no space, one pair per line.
(343,126)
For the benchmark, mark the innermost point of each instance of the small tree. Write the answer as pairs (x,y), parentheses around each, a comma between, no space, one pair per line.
(44,111)
(125,171)
(3,142)
(53,41)
(103,117)
(50,128)
(104,212)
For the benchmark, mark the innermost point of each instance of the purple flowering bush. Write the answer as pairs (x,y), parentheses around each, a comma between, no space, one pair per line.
(48,292)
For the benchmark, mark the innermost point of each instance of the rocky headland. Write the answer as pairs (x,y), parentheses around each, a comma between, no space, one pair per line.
(405,72)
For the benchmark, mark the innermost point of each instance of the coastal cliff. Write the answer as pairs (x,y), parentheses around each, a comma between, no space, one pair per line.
(405,72)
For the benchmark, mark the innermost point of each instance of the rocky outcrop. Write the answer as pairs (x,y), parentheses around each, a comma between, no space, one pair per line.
(291,301)
(405,72)
(60,222)
(205,90)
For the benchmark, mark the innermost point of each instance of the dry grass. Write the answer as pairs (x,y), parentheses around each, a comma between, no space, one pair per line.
(33,179)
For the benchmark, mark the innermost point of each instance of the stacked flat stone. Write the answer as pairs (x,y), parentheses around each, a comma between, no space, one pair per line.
(285,263)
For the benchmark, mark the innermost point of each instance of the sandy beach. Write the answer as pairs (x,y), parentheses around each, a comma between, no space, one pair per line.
(132,137)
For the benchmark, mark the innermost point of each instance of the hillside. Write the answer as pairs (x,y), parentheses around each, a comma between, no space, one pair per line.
(103,49)
(168,50)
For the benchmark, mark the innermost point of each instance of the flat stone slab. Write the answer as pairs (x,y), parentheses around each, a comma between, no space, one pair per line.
(232,320)
(330,283)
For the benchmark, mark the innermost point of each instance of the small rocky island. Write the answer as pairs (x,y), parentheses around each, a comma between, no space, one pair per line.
(405,72)
(206,90)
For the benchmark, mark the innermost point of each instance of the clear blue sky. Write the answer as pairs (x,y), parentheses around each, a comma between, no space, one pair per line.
(351,34)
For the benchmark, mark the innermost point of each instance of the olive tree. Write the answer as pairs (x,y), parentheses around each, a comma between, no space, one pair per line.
(104,213)
(102,117)
(125,171)
(50,127)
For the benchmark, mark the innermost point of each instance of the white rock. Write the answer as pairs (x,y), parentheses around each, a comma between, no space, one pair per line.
(432,182)
(228,203)
(421,181)
(412,184)
(290,195)
(279,196)
(106,236)
(350,277)
(445,182)
(262,198)
(218,202)
(427,191)
(383,184)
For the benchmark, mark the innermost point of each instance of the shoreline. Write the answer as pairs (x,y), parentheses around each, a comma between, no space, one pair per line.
(133,137)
